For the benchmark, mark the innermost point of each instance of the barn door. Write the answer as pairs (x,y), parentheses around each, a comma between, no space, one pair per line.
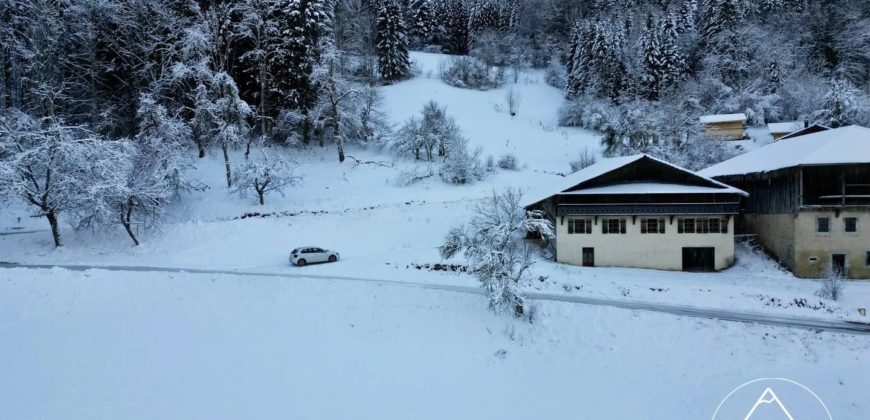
(699,259)
(589,257)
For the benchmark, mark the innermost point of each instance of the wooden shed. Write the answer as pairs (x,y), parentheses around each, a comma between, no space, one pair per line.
(780,129)
(724,126)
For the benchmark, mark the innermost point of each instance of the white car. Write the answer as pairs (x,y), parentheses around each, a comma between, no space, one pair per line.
(312,254)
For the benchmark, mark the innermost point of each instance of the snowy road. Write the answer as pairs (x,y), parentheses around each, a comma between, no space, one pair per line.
(690,311)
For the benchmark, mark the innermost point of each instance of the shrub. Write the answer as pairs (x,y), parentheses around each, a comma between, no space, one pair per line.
(470,73)
(508,162)
(832,284)
(584,159)
(588,112)
(461,165)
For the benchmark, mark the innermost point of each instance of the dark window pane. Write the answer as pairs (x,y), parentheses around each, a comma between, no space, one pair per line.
(823,224)
(851,224)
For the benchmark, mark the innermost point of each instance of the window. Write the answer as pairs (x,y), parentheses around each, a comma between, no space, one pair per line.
(850,224)
(715,225)
(652,226)
(867,259)
(582,226)
(611,226)
(686,226)
(702,225)
(823,224)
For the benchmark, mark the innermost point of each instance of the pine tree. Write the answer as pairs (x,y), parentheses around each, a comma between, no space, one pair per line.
(392,43)
(301,24)
(721,15)
(484,15)
(773,78)
(663,61)
(457,28)
(687,16)
(423,22)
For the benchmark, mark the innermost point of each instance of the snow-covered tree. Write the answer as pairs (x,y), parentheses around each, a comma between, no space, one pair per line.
(392,42)
(302,24)
(456,23)
(597,63)
(843,105)
(663,61)
(461,164)
(484,15)
(258,29)
(423,22)
(51,166)
(265,172)
(336,96)
(495,250)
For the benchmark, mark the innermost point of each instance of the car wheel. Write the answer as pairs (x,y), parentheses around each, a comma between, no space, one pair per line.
(301,262)
(332,258)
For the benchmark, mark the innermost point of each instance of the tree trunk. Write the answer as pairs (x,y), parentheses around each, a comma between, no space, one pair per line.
(126,217)
(306,129)
(227,164)
(260,195)
(262,99)
(55,230)
(339,141)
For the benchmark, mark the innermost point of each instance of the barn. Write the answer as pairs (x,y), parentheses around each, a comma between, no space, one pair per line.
(809,200)
(639,211)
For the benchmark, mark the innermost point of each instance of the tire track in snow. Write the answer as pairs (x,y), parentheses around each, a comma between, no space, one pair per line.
(677,310)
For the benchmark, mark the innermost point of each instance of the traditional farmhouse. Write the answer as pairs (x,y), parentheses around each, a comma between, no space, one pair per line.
(809,200)
(639,211)
(780,129)
(724,126)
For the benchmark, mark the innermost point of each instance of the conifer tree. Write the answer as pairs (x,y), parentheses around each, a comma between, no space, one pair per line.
(663,61)
(423,22)
(457,28)
(392,43)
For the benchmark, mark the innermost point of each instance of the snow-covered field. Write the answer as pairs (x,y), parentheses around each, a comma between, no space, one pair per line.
(102,344)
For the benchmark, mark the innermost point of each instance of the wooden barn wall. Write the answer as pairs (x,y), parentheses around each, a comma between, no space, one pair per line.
(769,193)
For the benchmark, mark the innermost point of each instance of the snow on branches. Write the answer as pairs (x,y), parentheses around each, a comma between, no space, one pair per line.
(265,173)
(494,247)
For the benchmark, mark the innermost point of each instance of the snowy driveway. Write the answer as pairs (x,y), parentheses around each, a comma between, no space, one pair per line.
(679,310)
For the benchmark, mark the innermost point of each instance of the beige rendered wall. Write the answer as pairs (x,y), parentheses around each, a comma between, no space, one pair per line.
(775,233)
(634,249)
(811,244)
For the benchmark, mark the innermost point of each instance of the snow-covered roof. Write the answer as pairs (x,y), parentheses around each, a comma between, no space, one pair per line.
(647,188)
(785,127)
(718,118)
(850,144)
(608,165)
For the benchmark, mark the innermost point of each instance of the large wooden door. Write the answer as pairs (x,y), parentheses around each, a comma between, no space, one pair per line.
(699,259)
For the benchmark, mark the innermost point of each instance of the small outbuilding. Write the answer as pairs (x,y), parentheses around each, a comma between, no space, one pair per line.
(639,211)
(724,126)
(780,129)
